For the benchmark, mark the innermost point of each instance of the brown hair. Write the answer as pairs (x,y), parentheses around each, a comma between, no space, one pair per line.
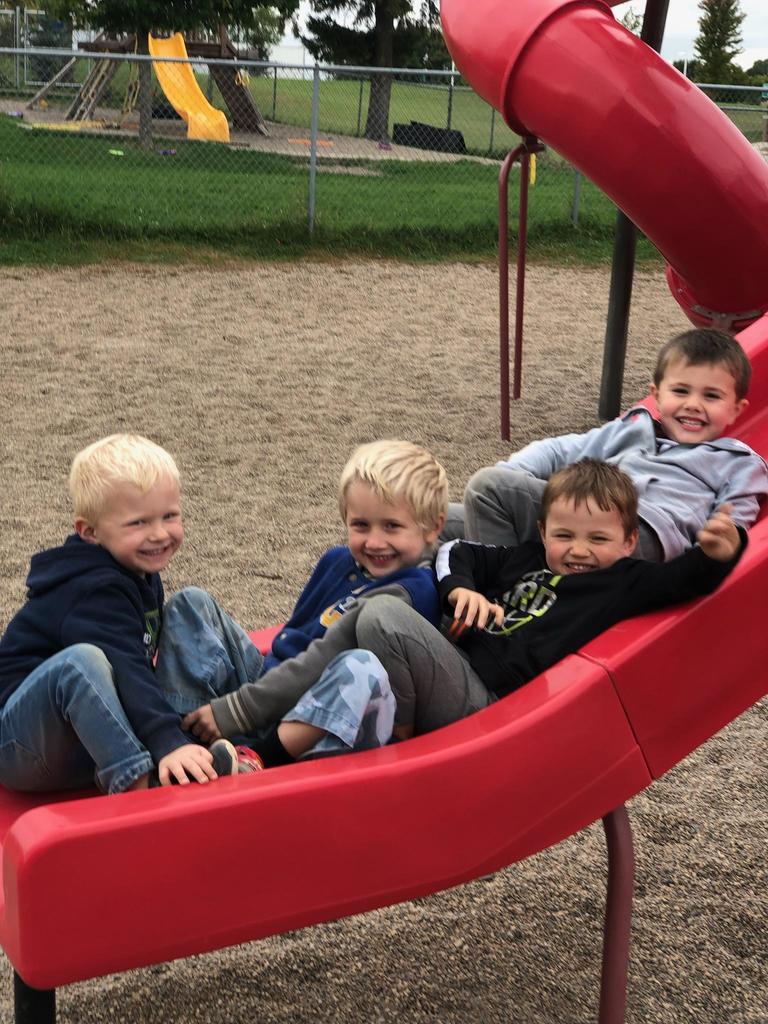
(706,345)
(592,480)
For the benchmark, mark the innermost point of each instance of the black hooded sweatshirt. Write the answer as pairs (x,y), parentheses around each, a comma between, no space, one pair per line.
(79,594)
(546,615)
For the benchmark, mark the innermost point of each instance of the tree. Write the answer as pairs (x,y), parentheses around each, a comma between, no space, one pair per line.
(719,40)
(140,17)
(383,34)
(632,21)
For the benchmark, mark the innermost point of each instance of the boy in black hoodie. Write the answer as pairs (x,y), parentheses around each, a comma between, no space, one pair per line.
(78,693)
(517,610)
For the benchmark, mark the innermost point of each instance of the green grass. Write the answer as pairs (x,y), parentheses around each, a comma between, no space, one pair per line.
(65,198)
(344,103)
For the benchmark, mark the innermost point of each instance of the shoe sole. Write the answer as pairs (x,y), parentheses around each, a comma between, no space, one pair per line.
(224,758)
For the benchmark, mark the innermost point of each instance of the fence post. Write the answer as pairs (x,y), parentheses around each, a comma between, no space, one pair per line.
(576,198)
(493,126)
(360,108)
(450,96)
(274,96)
(17,57)
(313,148)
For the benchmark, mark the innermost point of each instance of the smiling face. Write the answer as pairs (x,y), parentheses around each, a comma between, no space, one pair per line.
(383,537)
(697,402)
(582,538)
(142,531)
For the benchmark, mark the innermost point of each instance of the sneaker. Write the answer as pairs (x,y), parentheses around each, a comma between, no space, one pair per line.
(225,757)
(248,761)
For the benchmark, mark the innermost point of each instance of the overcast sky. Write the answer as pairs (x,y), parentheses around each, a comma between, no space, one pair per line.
(683,27)
(681,30)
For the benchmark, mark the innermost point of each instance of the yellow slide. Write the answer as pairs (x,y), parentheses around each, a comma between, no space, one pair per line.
(180,86)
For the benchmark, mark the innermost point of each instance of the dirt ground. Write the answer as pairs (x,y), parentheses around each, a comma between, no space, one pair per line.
(260,380)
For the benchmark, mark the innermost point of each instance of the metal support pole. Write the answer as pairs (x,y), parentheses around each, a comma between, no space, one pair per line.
(522,241)
(523,152)
(617,324)
(313,148)
(33,1005)
(274,96)
(493,126)
(624,242)
(576,205)
(359,109)
(618,917)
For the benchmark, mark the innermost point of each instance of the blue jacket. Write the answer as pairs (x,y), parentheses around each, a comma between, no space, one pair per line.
(78,593)
(334,585)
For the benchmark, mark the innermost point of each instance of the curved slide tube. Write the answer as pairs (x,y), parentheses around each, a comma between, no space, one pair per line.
(180,86)
(568,73)
(413,818)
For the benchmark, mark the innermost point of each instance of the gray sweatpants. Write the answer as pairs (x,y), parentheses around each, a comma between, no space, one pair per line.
(433,683)
(502,506)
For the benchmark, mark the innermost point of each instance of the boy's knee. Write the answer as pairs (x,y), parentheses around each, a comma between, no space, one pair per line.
(86,663)
(490,479)
(381,616)
(194,597)
(89,659)
(361,662)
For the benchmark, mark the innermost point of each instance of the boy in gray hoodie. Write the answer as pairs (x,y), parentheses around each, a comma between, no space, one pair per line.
(681,463)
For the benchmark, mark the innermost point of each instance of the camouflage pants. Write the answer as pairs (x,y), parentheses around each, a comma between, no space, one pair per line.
(353,701)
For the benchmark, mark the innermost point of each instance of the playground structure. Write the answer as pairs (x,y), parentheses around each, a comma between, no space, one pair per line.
(177,80)
(572,746)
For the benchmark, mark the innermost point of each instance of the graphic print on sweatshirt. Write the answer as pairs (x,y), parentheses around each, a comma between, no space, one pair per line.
(531,597)
(335,611)
(151,632)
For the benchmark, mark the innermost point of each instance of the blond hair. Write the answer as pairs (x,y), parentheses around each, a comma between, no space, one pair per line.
(593,480)
(399,471)
(117,459)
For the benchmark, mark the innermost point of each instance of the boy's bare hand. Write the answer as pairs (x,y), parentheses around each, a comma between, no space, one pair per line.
(190,761)
(202,723)
(718,537)
(472,609)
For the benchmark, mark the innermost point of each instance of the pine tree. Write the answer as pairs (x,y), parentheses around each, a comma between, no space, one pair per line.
(719,40)
(384,34)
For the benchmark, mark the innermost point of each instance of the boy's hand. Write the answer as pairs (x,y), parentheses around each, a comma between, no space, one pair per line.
(718,537)
(202,723)
(183,763)
(472,609)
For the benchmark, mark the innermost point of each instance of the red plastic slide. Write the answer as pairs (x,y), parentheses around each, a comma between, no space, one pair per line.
(82,878)
(568,73)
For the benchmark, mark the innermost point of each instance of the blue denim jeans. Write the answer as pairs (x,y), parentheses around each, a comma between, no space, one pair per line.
(204,653)
(65,728)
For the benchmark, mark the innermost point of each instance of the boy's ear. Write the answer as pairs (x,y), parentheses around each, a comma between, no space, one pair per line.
(541,530)
(85,531)
(653,390)
(741,405)
(430,536)
(631,541)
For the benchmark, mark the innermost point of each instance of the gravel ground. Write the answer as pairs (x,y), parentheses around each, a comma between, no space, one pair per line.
(260,380)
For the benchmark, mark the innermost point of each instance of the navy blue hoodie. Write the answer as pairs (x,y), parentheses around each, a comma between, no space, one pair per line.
(78,594)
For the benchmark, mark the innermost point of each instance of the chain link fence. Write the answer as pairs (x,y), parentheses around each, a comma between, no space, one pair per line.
(270,155)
